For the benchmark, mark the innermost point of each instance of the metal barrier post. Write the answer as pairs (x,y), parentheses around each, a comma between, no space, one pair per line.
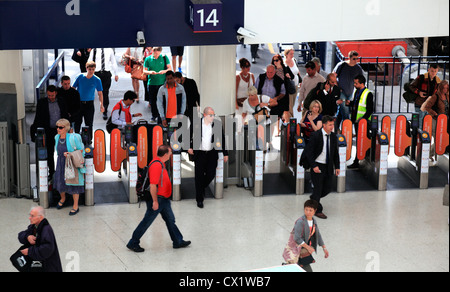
(342,146)
(132,173)
(300,173)
(42,168)
(89,176)
(176,172)
(423,156)
(381,160)
(218,186)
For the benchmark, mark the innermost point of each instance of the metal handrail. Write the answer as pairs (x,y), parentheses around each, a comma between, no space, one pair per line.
(49,73)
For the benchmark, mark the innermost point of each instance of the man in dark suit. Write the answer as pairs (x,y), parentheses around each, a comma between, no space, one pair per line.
(48,111)
(322,156)
(205,152)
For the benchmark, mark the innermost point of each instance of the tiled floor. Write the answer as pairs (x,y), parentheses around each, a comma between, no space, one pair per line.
(385,231)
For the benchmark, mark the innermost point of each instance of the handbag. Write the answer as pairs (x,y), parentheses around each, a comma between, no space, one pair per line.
(69,169)
(409,96)
(128,66)
(294,253)
(24,263)
(76,156)
(261,112)
(138,73)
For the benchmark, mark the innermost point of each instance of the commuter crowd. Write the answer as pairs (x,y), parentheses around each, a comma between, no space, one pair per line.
(320,101)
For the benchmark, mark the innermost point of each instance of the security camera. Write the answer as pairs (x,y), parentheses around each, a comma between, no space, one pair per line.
(246,33)
(140,38)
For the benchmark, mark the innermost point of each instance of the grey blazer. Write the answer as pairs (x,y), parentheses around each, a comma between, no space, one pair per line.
(301,232)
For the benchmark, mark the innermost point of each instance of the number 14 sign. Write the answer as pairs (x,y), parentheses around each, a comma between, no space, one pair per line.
(205,15)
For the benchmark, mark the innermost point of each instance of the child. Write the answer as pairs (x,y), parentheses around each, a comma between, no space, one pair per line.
(307,234)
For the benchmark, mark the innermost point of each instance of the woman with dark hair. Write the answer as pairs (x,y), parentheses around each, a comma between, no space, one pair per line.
(244,80)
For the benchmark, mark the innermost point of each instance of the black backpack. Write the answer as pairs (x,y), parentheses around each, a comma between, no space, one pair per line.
(143,183)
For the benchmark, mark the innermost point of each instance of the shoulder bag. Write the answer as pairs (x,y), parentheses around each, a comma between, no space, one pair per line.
(24,263)
(76,155)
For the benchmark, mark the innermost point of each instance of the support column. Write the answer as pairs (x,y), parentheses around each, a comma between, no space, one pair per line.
(214,70)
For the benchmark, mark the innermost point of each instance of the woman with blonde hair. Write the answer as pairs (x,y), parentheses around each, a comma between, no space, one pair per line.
(312,120)
(65,143)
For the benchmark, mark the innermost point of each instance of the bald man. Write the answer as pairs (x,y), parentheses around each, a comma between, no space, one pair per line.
(39,241)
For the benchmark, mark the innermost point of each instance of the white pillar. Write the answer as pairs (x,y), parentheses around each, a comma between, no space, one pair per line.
(214,70)
(11,72)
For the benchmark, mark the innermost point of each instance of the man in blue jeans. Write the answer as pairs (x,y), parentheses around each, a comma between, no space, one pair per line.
(160,190)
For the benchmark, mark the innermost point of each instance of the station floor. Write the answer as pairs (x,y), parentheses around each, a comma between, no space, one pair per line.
(393,231)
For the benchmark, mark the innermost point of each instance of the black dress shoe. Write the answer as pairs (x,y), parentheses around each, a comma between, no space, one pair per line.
(182,244)
(200,204)
(321,215)
(136,248)
(105,116)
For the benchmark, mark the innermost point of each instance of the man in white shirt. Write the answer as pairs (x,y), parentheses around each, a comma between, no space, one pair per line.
(310,82)
(206,155)
(106,63)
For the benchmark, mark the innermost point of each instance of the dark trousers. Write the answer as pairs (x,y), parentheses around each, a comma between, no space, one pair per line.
(322,184)
(87,111)
(153,94)
(205,172)
(105,77)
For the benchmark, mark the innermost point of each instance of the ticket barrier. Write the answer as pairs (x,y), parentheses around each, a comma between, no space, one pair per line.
(373,149)
(412,146)
(291,149)
(42,169)
(442,142)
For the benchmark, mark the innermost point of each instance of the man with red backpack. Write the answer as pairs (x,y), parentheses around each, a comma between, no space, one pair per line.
(160,191)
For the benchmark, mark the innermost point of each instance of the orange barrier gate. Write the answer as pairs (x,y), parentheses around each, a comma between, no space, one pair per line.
(99,151)
(142,146)
(363,143)
(347,132)
(442,137)
(118,154)
(402,138)
(386,128)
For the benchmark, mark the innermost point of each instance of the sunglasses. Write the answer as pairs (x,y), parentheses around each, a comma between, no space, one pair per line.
(60,128)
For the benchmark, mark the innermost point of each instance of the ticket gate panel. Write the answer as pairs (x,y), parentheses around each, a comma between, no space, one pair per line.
(142,146)
(442,136)
(157,139)
(99,151)
(402,139)
(363,143)
(427,125)
(347,132)
(118,154)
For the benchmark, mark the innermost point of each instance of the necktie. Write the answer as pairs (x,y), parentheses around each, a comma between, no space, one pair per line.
(103,59)
(328,149)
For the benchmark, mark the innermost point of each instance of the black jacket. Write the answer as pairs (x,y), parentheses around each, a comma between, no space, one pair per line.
(45,249)
(314,148)
(42,117)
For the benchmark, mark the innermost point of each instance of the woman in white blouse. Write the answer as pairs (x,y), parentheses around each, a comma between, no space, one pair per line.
(292,64)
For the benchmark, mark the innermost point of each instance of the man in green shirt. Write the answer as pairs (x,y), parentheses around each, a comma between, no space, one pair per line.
(156,67)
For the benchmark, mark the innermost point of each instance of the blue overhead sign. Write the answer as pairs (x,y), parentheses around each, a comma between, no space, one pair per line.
(44,24)
(205,16)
